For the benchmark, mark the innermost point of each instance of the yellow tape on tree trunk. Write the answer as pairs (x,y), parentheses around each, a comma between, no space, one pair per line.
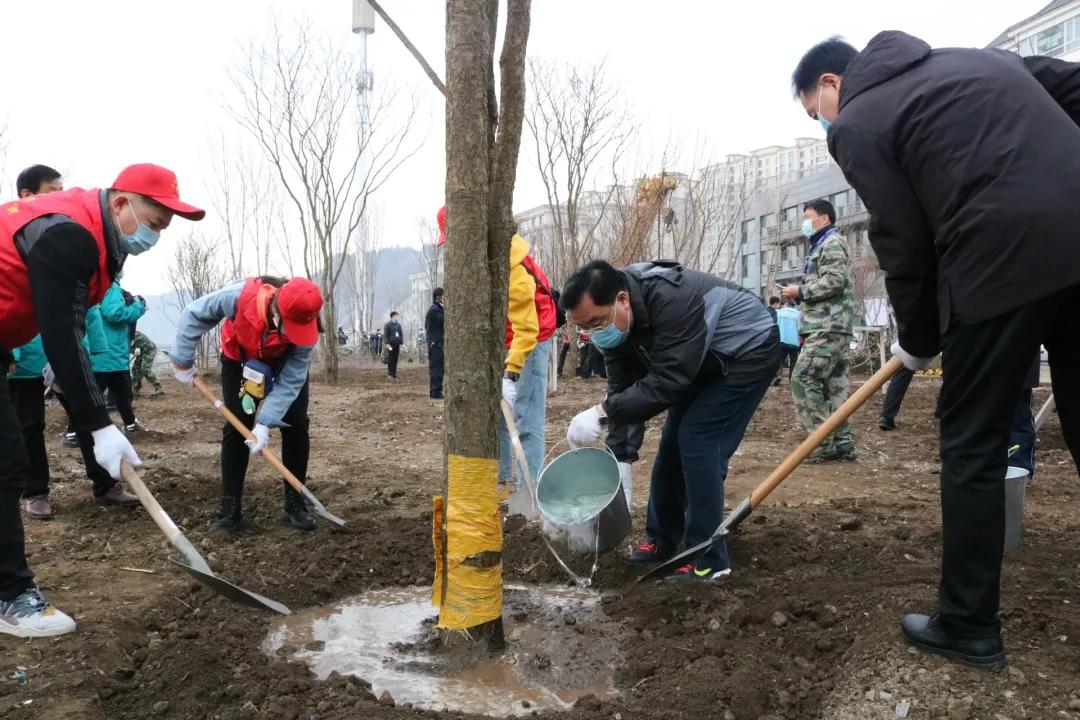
(473,526)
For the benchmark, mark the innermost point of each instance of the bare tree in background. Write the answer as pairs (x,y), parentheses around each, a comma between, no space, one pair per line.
(251,214)
(196,269)
(369,244)
(578,124)
(432,255)
(330,142)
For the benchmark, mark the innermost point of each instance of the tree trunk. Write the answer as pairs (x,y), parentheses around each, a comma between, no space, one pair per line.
(480,174)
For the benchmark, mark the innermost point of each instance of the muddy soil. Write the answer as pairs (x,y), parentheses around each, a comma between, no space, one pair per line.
(806,628)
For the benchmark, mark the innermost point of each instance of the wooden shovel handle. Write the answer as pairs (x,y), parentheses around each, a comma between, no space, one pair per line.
(242,429)
(826,429)
(162,519)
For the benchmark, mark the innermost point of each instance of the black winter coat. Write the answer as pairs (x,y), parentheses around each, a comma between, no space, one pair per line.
(969,163)
(433,324)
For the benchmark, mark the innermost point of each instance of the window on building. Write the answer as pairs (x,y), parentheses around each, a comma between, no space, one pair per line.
(1050,41)
(1072,34)
(746,266)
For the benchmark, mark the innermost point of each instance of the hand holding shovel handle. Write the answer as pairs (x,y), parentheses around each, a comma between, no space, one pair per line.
(762,491)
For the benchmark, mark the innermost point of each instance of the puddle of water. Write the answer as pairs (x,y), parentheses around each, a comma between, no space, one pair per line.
(560,647)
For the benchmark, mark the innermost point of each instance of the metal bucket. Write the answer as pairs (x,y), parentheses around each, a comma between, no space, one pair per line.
(581,500)
(1016,480)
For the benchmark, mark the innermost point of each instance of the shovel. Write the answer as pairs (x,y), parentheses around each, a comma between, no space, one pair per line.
(762,491)
(195,564)
(1044,412)
(298,486)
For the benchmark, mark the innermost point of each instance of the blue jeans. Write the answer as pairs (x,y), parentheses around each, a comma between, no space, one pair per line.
(530,414)
(702,432)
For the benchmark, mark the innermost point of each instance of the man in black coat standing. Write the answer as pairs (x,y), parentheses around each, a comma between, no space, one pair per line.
(433,331)
(969,164)
(394,338)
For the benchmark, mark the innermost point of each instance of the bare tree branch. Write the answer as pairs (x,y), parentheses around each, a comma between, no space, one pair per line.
(424,64)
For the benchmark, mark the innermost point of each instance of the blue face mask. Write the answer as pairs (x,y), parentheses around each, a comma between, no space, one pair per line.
(141,240)
(608,336)
(821,118)
(808,228)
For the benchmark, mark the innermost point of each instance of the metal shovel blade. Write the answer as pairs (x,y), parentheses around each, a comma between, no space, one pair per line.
(320,509)
(234,593)
(684,557)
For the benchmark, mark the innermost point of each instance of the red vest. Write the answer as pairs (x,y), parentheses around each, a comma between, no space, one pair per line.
(545,303)
(245,336)
(18,325)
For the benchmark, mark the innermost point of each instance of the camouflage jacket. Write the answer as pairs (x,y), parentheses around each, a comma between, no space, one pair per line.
(144,344)
(827,290)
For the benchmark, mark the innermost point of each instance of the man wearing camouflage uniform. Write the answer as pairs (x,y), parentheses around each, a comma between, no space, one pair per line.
(819,382)
(144,351)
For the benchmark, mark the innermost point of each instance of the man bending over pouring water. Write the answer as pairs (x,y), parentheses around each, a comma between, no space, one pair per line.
(703,349)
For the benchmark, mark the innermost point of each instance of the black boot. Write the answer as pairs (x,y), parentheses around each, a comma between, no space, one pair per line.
(229,519)
(296,513)
(927,633)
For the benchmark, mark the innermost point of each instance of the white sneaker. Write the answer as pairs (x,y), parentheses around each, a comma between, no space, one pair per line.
(31,615)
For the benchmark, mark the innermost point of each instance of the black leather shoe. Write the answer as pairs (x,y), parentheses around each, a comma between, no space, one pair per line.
(926,633)
(886,424)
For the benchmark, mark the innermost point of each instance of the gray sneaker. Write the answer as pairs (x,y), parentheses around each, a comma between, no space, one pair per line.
(31,615)
(117,495)
(38,507)
(71,440)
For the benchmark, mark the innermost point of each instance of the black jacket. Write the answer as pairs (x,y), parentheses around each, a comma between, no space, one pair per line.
(433,324)
(392,335)
(969,163)
(688,326)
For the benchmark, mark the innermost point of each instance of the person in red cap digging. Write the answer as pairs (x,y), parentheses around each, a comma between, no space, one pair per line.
(267,343)
(59,253)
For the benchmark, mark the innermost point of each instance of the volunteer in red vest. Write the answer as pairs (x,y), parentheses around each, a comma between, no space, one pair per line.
(59,253)
(268,338)
(530,325)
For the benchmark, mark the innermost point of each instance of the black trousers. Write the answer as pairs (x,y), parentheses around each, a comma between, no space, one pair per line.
(27,395)
(393,352)
(894,394)
(15,575)
(118,383)
(295,441)
(436,367)
(985,364)
(789,355)
(563,352)
(98,475)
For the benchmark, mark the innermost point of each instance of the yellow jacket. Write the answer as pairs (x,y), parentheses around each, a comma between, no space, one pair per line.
(523,323)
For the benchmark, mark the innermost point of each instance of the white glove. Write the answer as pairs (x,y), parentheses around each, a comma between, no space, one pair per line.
(138,352)
(110,447)
(509,390)
(627,480)
(911,362)
(185,376)
(262,438)
(585,428)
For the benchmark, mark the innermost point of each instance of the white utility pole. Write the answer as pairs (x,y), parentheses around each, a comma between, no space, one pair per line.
(363,24)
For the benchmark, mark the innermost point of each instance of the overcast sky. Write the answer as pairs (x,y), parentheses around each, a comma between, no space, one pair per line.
(93,86)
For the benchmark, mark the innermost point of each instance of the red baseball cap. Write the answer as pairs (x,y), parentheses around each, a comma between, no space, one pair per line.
(158,184)
(300,301)
(442,227)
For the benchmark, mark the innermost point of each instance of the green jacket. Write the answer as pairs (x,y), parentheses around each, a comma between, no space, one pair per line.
(827,290)
(30,359)
(115,318)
